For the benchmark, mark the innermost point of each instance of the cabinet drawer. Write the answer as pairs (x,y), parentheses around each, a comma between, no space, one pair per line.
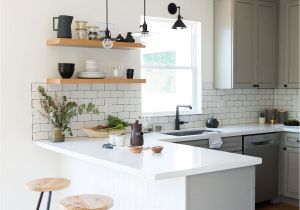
(230,144)
(292,139)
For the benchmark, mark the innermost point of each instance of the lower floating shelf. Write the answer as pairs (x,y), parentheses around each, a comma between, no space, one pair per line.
(95,81)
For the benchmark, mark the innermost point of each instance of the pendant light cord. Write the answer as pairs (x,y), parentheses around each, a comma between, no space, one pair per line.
(106,14)
(144,11)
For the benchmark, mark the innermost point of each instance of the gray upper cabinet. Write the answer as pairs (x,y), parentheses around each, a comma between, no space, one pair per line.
(245,43)
(288,68)
(266,43)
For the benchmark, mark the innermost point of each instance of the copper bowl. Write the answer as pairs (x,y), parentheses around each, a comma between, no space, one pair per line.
(157,149)
(136,149)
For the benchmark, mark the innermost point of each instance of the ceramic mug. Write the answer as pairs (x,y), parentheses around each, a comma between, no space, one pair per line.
(120,140)
(130,73)
(112,139)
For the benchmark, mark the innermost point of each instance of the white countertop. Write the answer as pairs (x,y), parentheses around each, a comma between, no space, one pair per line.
(176,160)
(239,130)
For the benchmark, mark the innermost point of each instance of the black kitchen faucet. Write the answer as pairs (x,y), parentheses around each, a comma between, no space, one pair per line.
(177,120)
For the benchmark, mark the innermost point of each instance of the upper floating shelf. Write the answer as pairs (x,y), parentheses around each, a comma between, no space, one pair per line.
(92,44)
(95,81)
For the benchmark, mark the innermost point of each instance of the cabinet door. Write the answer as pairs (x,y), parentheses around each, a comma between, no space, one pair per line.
(292,50)
(291,172)
(243,71)
(266,43)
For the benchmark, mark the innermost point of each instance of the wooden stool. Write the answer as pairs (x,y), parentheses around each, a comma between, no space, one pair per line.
(47,185)
(86,202)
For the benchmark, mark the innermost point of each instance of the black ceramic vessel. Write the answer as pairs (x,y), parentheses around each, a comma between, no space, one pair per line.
(66,70)
(64,26)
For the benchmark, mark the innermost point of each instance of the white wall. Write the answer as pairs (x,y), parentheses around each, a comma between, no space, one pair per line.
(26,25)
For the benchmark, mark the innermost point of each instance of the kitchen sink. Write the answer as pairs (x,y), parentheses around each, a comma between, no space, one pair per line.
(188,133)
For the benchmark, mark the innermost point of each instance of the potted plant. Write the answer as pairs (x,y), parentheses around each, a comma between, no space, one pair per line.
(59,111)
(261,118)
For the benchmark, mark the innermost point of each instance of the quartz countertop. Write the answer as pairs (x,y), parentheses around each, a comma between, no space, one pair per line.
(176,160)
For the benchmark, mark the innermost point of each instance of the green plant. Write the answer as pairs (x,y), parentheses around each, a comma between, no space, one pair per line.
(261,114)
(60,111)
(115,122)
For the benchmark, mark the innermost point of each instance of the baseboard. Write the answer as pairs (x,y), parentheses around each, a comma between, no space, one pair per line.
(287,200)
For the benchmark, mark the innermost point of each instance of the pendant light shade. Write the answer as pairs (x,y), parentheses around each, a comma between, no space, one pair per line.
(107,42)
(172,8)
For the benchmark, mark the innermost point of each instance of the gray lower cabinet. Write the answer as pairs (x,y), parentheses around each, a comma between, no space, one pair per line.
(288,67)
(230,144)
(245,35)
(291,156)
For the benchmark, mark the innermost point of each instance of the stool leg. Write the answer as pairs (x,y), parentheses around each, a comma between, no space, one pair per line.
(40,200)
(49,200)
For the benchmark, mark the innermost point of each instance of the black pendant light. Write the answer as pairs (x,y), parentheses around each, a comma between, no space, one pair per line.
(144,33)
(107,42)
(172,8)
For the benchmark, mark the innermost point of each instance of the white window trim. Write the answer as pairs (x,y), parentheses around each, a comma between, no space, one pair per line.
(196,72)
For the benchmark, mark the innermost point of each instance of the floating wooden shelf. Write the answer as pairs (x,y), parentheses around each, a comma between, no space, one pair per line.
(95,81)
(91,44)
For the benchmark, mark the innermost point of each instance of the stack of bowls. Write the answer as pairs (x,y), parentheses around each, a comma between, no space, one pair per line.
(91,70)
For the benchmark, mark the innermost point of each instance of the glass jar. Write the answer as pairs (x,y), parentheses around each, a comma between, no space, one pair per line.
(81,33)
(93,32)
(81,24)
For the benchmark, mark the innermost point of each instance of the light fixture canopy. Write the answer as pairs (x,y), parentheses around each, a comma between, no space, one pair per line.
(107,42)
(172,8)
(144,33)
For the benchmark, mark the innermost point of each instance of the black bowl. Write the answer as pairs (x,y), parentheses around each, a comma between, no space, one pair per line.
(66,70)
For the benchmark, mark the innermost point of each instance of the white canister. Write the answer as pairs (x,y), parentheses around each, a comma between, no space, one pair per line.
(120,140)
(262,120)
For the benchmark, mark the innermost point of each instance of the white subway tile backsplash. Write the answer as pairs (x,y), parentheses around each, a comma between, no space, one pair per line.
(84,87)
(237,106)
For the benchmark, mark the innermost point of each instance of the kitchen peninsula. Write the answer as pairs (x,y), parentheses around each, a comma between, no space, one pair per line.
(181,178)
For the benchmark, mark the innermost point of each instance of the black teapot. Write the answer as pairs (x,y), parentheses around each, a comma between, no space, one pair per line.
(212,122)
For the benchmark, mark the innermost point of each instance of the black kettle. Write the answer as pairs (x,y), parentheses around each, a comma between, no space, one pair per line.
(212,122)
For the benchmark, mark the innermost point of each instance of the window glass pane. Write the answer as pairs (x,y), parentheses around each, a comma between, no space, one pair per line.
(165,89)
(167,47)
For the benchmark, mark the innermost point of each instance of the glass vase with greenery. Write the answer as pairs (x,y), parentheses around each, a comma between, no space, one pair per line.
(59,111)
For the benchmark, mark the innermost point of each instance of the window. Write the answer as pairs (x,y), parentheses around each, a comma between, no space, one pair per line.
(169,63)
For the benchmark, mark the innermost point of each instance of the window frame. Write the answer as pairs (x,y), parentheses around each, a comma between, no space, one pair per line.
(194,67)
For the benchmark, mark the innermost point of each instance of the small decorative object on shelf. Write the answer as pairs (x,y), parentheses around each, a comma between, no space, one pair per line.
(261,118)
(120,38)
(60,112)
(129,38)
(212,122)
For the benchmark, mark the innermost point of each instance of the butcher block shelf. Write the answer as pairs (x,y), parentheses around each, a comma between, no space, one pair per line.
(92,44)
(95,81)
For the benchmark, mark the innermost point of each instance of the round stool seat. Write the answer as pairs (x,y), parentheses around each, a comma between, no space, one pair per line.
(86,202)
(48,184)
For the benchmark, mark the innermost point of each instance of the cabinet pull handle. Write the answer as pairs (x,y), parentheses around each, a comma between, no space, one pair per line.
(257,85)
(285,85)
(254,85)
(297,141)
(284,148)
